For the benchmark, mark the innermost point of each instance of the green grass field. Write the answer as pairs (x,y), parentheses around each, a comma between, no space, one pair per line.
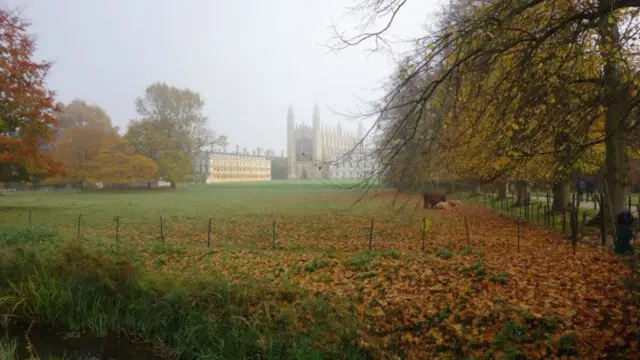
(242,216)
(240,213)
(351,277)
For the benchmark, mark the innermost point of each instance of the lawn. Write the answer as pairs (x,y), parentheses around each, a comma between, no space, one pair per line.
(494,291)
(241,214)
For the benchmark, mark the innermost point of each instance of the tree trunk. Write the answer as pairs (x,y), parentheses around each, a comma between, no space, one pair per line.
(617,103)
(561,192)
(503,191)
(173,184)
(523,192)
(475,191)
(616,186)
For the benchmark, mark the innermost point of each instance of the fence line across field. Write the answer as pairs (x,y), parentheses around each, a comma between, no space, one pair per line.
(506,205)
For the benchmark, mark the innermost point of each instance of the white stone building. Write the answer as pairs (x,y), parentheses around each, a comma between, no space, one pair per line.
(219,167)
(359,164)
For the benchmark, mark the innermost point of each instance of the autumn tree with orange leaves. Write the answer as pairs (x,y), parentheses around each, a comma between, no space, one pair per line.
(27,108)
(92,150)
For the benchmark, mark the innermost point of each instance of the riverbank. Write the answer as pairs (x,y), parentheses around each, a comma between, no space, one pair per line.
(91,289)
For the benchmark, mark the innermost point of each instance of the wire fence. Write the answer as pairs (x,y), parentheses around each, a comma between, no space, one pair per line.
(281,233)
(581,218)
(582,222)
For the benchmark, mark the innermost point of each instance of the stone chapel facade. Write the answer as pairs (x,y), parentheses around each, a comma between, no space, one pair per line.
(310,149)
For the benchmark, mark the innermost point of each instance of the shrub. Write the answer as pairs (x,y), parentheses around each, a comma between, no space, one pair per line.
(315,265)
(444,253)
(361,260)
(27,236)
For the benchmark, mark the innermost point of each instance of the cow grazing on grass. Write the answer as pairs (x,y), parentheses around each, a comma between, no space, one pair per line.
(431,199)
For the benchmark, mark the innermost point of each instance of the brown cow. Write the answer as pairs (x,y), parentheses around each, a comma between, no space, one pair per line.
(430,199)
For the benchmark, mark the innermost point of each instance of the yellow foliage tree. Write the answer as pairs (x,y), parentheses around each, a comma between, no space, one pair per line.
(116,163)
(91,155)
(77,150)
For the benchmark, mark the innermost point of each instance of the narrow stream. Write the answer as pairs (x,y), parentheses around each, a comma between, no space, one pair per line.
(46,343)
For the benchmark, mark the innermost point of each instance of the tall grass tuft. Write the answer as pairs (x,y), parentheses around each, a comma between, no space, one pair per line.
(8,349)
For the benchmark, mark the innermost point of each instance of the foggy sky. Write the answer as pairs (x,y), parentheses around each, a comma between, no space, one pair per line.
(249,59)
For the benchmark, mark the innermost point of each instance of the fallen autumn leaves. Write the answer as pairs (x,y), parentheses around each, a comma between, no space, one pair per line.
(486,300)
(454,300)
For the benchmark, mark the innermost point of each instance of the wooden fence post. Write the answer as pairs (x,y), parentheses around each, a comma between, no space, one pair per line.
(546,215)
(209,234)
(518,233)
(117,227)
(79,219)
(161,230)
(371,235)
(424,230)
(548,204)
(273,235)
(574,230)
(603,227)
(466,227)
